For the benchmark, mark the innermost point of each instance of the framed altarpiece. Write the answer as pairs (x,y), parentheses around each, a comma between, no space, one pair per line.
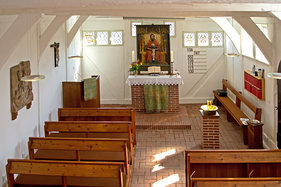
(153,46)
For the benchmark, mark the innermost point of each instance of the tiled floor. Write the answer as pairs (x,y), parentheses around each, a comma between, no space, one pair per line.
(159,158)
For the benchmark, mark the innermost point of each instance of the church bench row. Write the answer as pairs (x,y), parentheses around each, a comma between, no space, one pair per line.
(99,114)
(91,129)
(80,149)
(64,173)
(230,166)
(233,110)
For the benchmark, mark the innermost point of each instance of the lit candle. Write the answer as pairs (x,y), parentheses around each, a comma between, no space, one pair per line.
(172,56)
(133,56)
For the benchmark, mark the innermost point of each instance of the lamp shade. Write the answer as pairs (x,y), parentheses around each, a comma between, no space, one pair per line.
(274,75)
(32,78)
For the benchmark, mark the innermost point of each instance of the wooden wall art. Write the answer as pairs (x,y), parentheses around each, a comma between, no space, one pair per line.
(21,92)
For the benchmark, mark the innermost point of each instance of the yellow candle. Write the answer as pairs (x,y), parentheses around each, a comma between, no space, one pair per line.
(172,56)
(133,56)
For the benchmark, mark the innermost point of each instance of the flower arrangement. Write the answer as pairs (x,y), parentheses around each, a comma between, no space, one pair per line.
(135,66)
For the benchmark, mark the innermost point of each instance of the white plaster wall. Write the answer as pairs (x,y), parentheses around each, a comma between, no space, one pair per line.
(14,133)
(112,62)
(47,93)
(75,49)
(50,89)
(106,61)
(235,70)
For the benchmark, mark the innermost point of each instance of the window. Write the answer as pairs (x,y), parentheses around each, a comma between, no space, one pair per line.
(116,38)
(247,44)
(217,39)
(172,27)
(134,28)
(203,39)
(102,38)
(89,38)
(189,39)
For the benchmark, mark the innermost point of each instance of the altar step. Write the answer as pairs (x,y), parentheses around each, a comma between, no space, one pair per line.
(163,121)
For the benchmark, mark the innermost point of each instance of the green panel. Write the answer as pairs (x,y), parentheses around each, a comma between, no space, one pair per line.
(156,98)
(90,89)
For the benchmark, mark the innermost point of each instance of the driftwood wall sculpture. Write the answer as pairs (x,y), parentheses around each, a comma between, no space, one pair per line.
(21,92)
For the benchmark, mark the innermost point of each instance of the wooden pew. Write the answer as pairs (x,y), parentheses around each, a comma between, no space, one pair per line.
(80,149)
(99,114)
(230,166)
(233,110)
(64,173)
(91,129)
(242,182)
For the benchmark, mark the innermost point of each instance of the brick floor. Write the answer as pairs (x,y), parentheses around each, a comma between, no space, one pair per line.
(172,143)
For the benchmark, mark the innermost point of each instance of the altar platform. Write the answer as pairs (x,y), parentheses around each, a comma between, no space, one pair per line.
(137,83)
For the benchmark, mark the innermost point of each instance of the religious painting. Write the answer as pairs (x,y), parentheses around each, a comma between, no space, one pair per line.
(153,46)
(21,92)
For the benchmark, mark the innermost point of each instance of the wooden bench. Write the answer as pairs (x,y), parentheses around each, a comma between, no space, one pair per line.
(64,173)
(91,129)
(233,110)
(230,166)
(80,149)
(242,182)
(99,114)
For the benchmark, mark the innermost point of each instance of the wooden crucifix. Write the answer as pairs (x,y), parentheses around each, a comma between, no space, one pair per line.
(56,53)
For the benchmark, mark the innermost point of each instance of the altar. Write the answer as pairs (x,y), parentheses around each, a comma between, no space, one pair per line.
(155,93)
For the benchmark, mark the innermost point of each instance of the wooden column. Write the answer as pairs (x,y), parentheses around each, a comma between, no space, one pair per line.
(211,133)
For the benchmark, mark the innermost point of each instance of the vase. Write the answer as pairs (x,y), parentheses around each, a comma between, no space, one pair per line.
(135,72)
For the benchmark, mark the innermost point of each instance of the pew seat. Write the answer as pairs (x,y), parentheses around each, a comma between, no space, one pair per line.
(231,166)
(233,110)
(80,149)
(64,173)
(99,114)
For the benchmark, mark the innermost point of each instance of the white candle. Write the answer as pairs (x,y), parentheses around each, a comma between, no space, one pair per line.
(133,56)
(172,56)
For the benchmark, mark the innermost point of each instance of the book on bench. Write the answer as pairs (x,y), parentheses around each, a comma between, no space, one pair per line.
(222,93)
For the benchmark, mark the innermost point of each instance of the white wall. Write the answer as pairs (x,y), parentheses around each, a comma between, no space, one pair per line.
(13,134)
(47,93)
(74,69)
(235,69)
(112,62)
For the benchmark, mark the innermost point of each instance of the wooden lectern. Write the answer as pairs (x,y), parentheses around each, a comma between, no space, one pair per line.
(73,94)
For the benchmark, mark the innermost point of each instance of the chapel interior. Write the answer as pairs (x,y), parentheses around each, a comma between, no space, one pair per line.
(138,93)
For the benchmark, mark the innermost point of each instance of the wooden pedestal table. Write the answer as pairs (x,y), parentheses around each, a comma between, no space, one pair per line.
(211,133)
(255,136)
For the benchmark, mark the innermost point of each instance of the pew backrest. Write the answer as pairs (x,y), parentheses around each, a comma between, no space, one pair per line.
(63,169)
(99,114)
(240,97)
(87,127)
(77,145)
(232,164)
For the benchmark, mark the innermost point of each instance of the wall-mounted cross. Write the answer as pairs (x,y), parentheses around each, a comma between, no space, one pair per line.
(56,53)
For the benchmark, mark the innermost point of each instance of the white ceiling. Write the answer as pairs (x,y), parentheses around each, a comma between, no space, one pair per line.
(135,8)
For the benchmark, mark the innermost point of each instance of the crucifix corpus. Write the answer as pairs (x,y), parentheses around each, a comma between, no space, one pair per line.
(56,53)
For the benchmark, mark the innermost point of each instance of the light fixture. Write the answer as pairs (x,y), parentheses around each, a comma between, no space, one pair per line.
(274,75)
(232,54)
(32,78)
(71,57)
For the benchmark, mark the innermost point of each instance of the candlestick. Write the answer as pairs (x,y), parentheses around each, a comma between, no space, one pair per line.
(133,56)
(172,56)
